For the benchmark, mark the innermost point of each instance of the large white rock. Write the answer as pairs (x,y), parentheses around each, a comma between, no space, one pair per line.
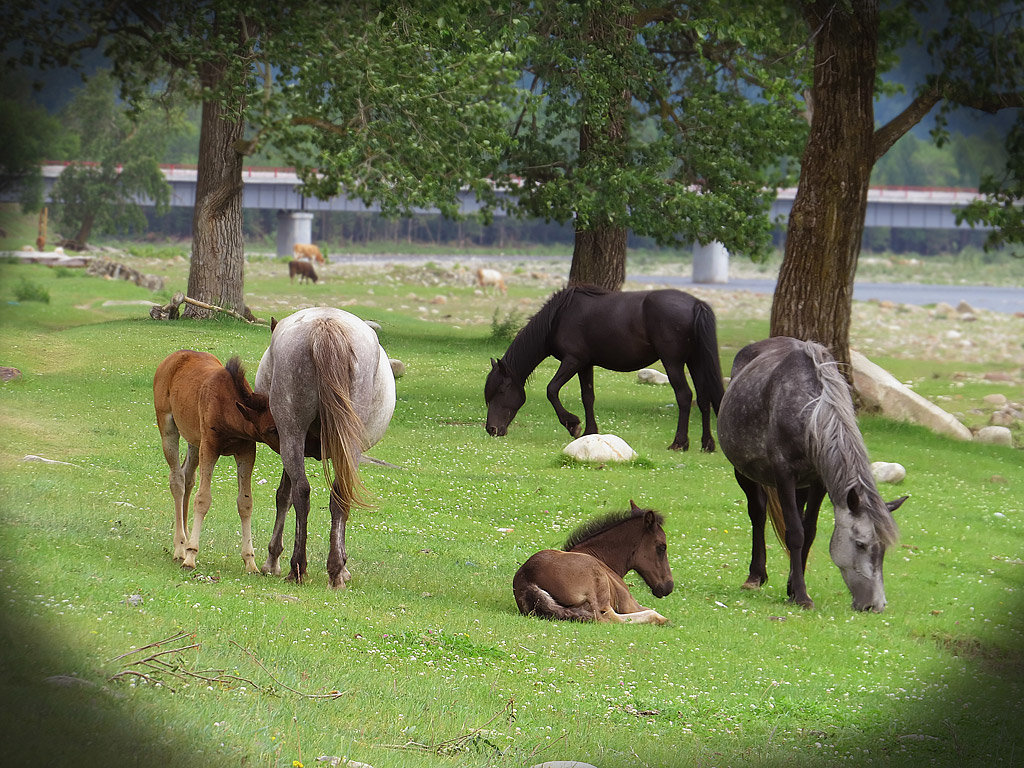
(880,390)
(995,435)
(888,472)
(600,448)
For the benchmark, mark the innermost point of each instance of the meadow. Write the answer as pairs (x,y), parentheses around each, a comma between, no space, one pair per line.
(114,655)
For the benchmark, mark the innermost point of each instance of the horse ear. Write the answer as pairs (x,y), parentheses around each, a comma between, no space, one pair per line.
(494,363)
(853,501)
(650,519)
(246,411)
(892,506)
(273,323)
(632,505)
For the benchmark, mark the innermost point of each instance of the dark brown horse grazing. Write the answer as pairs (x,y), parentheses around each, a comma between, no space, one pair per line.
(788,426)
(583,582)
(584,326)
(304,269)
(213,407)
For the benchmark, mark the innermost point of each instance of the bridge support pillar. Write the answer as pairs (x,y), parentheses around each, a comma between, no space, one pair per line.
(710,263)
(293,227)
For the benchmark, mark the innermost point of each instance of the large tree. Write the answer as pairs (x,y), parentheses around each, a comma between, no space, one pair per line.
(661,119)
(978,62)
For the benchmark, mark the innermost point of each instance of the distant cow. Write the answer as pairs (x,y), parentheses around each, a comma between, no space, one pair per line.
(485,277)
(303,269)
(307,251)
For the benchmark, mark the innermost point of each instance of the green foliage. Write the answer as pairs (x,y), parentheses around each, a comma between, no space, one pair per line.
(505,329)
(116,160)
(29,290)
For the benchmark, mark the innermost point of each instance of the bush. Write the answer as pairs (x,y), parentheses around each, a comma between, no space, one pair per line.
(505,330)
(26,290)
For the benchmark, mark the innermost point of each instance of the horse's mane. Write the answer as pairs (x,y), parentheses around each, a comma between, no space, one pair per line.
(836,446)
(528,348)
(599,525)
(246,396)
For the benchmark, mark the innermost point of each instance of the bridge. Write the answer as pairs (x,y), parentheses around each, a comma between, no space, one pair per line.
(280,189)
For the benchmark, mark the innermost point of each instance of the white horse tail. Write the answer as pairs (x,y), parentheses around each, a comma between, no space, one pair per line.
(341,429)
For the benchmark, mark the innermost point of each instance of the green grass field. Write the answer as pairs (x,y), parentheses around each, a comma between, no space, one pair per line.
(113,655)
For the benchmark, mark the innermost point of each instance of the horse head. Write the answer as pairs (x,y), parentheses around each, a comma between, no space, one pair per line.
(504,396)
(650,559)
(858,549)
(256,411)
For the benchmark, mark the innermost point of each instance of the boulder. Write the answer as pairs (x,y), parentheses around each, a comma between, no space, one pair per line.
(882,391)
(397,367)
(995,436)
(651,376)
(888,472)
(600,448)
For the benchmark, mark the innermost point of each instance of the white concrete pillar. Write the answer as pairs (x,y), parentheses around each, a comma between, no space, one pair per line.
(293,227)
(710,263)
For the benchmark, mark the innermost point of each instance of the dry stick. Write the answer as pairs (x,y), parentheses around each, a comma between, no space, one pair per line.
(151,645)
(331,695)
(458,741)
(204,305)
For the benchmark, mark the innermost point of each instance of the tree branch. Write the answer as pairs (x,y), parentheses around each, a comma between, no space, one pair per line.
(892,131)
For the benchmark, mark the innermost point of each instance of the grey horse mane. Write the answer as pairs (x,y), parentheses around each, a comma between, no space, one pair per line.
(836,447)
(599,525)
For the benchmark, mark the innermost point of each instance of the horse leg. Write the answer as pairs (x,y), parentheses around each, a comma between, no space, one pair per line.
(207,461)
(244,463)
(813,496)
(586,376)
(796,587)
(565,371)
(757,512)
(337,573)
(624,609)
(276,546)
(294,464)
(169,440)
(684,400)
(707,441)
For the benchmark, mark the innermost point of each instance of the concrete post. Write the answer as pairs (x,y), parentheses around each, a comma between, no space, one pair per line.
(710,263)
(293,227)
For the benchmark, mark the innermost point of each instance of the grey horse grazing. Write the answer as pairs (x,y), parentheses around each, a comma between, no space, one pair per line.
(584,581)
(788,427)
(332,395)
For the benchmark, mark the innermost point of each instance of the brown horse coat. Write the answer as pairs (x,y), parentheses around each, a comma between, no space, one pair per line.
(584,582)
(303,269)
(307,251)
(213,407)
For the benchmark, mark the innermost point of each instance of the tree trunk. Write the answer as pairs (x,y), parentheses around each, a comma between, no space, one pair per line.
(216,274)
(599,250)
(814,295)
(599,258)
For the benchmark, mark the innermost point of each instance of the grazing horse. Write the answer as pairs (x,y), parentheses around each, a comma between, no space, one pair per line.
(213,407)
(304,269)
(584,326)
(485,277)
(332,394)
(307,251)
(788,427)
(583,581)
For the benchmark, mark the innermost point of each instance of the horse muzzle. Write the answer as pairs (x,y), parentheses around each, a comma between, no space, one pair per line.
(495,431)
(663,589)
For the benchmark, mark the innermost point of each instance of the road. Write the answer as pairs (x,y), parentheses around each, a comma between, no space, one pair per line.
(992,298)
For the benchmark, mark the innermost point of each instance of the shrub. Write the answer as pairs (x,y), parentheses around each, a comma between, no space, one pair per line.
(26,290)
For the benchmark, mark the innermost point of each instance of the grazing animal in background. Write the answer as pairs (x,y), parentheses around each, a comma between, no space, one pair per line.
(307,251)
(332,393)
(213,407)
(788,427)
(486,277)
(586,326)
(583,581)
(304,269)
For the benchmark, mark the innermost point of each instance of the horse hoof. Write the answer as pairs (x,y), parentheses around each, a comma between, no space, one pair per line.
(751,584)
(679,446)
(708,447)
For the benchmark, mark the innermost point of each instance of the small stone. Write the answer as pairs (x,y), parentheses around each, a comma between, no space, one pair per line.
(600,448)
(995,399)
(8,374)
(651,376)
(964,308)
(888,472)
(994,436)
(397,367)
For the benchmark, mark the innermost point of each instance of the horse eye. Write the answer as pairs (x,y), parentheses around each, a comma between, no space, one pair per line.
(861,545)
(662,549)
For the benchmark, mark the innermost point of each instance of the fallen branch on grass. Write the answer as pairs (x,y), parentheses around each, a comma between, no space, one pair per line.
(156,669)
(171,311)
(329,695)
(476,737)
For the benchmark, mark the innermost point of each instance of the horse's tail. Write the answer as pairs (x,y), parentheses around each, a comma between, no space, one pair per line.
(774,509)
(707,373)
(341,429)
(534,601)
